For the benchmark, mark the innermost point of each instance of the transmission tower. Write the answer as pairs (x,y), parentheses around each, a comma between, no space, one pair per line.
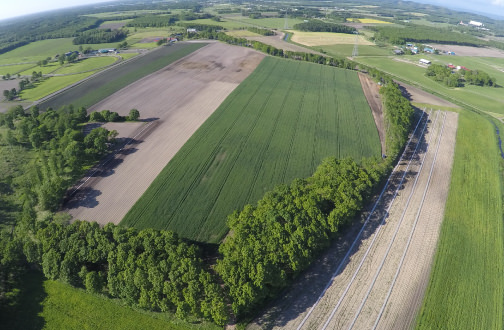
(286,24)
(355,51)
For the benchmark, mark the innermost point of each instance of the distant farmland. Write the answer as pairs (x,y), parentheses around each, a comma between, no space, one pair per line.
(276,126)
(104,84)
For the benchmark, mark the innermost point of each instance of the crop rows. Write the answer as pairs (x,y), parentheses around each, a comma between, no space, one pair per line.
(466,287)
(276,126)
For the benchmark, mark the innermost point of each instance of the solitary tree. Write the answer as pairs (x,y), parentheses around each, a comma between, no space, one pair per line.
(134,114)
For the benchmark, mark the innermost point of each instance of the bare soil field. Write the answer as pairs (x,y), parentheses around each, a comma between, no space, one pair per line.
(417,95)
(376,278)
(278,41)
(372,93)
(174,102)
(470,51)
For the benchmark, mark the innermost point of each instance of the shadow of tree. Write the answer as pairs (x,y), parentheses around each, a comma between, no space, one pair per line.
(26,315)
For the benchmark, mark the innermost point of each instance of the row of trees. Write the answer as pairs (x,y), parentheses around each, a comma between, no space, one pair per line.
(112,116)
(270,244)
(263,32)
(98,36)
(318,26)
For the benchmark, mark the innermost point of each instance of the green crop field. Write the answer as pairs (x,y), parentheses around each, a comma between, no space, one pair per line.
(467,280)
(55,305)
(51,85)
(482,98)
(97,88)
(276,126)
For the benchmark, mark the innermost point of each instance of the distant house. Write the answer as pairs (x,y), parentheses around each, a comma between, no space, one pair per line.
(398,51)
(451,53)
(424,61)
(451,66)
(428,50)
(476,23)
(191,30)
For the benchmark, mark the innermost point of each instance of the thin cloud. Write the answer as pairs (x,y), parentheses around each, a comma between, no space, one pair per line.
(498,3)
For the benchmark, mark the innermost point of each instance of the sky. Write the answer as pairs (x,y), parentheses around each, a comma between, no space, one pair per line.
(14,8)
(491,7)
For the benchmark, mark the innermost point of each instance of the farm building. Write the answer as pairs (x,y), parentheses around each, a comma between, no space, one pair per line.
(428,50)
(398,51)
(424,61)
(191,30)
(476,23)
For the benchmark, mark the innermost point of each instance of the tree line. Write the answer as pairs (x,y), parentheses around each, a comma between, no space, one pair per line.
(263,32)
(98,36)
(318,26)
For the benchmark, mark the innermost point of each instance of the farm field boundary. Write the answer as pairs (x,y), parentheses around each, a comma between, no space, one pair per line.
(105,83)
(276,126)
(174,102)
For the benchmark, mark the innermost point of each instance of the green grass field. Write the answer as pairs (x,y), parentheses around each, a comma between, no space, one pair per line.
(467,280)
(40,50)
(55,305)
(14,69)
(46,69)
(127,56)
(482,98)
(88,64)
(276,126)
(346,50)
(51,85)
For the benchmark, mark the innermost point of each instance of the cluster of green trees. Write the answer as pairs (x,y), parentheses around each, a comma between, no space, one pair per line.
(98,36)
(151,269)
(112,116)
(62,151)
(318,26)
(263,32)
(166,20)
(479,78)
(443,74)
(270,244)
(424,34)
(10,94)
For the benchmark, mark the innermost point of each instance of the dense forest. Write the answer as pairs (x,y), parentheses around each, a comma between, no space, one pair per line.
(317,26)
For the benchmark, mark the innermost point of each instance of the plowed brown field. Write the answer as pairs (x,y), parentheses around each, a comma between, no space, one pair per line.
(377,278)
(174,101)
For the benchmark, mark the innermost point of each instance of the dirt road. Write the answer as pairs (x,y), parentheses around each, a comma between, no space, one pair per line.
(174,101)
(377,278)
(372,93)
